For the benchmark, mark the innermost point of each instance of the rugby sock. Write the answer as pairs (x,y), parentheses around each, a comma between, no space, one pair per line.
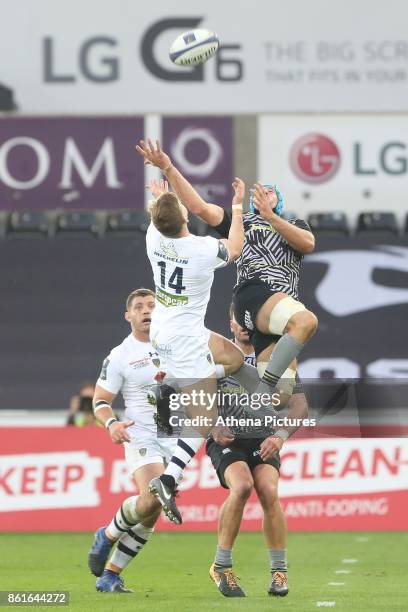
(185,450)
(125,518)
(285,351)
(130,545)
(247,376)
(223,559)
(278,560)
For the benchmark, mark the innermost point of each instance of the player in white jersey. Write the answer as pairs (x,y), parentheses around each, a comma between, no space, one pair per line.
(183,267)
(130,368)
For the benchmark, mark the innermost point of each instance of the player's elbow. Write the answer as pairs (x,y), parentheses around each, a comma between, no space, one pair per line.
(308,244)
(234,253)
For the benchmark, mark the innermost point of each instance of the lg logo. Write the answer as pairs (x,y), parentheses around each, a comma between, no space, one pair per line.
(315,158)
(98,60)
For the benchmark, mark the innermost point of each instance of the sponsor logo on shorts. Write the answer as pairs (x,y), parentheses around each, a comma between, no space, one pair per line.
(257,452)
(226,450)
(170,300)
(248,320)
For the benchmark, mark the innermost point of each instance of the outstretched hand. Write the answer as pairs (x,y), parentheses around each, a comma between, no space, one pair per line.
(157,188)
(154,154)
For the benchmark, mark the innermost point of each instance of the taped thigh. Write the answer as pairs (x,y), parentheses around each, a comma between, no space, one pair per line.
(283,311)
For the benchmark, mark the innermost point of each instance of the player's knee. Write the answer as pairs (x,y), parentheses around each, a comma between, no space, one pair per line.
(242,490)
(268,495)
(305,322)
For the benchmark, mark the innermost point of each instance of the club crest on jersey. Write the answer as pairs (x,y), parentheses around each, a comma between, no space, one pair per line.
(168,249)
(248,321)
(142,451)
(155,359)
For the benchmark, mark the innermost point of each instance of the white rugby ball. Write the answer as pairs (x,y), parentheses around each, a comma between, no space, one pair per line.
(194,47)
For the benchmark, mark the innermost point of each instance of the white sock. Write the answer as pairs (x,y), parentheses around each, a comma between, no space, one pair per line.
(185,450)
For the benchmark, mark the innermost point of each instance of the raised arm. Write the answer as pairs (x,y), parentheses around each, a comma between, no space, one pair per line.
(154,154)
(235,240)
(299,239)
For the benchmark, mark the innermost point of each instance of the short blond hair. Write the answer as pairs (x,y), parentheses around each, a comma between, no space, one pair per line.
(142,292)
(167,215)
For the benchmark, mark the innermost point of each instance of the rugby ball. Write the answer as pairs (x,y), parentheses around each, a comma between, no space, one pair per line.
(194,47)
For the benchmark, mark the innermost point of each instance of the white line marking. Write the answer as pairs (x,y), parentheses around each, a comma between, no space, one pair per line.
(325,604)
(349,560)
(336,583)
(342,572)
(362,539)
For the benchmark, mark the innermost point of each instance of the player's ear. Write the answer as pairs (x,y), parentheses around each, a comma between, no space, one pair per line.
(127,316)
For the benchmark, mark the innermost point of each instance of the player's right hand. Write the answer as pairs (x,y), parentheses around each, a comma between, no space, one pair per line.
(118,431)
(154,154)
(222,435)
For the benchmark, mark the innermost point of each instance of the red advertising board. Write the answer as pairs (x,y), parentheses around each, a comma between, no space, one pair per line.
(68,479)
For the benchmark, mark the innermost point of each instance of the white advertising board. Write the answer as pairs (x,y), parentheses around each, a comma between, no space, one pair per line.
(112,56)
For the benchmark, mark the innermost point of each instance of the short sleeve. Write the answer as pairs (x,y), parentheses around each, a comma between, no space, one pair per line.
(302,224)
(216,252)
(110,377)
(223,228)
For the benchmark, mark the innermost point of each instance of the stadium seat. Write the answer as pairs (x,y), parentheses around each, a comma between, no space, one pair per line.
(379,222)
(28,224)
(127,222)
(79,224)
(331,223)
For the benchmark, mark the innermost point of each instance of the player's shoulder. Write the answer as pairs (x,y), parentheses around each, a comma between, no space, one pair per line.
(119,351)
(205,242)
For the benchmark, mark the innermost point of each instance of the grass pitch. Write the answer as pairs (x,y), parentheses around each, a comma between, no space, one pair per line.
(171,574)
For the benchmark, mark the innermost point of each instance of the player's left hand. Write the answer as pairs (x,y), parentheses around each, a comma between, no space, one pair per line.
(157,188)
(154,155)
(238,186)
(270,447)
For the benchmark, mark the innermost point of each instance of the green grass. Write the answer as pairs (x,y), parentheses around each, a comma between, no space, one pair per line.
(171,574)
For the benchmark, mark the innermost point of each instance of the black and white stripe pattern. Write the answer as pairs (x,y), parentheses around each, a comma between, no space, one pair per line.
(268,257)
(130,545)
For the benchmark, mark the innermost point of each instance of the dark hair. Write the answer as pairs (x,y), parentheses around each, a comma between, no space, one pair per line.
(142,292)
(167,216)
(86,383)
